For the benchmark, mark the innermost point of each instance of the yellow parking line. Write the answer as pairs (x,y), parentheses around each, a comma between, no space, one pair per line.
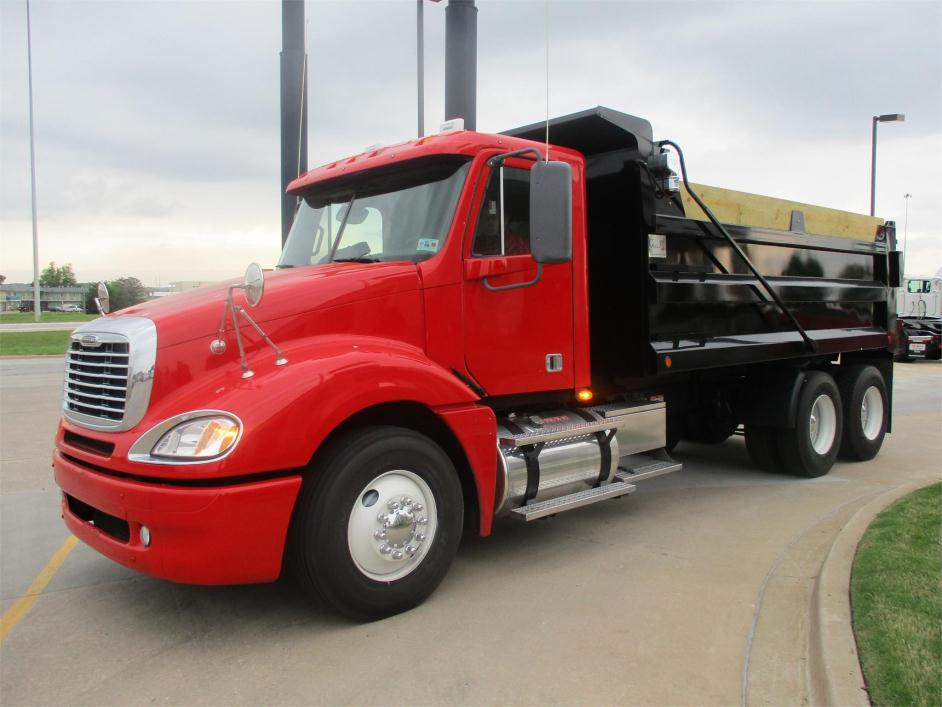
(22,605)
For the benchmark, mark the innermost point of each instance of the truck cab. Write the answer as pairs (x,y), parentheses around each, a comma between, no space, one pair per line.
(459,328)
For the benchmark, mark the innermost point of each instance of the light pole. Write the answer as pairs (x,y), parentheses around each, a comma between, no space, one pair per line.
(888,118)
(420,63)
(905,229)
(37,302)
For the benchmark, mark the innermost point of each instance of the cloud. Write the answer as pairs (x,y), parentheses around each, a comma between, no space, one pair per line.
(157,122)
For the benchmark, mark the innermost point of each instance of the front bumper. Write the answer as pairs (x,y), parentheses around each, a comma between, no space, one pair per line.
(223,534)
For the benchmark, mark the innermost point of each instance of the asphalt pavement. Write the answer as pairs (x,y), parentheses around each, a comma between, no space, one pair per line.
(694,590)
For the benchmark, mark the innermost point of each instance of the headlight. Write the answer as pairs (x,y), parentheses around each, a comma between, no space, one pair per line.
(201,438)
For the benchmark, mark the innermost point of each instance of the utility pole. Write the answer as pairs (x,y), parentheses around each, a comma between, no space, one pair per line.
(37,303)
(293,106)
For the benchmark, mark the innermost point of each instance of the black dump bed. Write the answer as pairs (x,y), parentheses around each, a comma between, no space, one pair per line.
(667,291)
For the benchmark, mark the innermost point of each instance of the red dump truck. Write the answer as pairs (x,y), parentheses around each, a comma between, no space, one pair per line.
(465,327)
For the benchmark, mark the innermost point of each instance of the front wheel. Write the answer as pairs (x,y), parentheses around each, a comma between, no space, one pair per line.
(378,522)
(810,448)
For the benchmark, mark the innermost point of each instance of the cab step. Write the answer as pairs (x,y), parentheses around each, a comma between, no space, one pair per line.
(552,506)
(631,469)
(646,466)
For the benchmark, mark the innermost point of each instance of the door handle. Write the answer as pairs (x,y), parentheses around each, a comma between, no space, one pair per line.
(528,283)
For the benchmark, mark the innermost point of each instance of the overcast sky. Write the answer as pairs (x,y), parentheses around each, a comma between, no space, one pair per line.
(157,146)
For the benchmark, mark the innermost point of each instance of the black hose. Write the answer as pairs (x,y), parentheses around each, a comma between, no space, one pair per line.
(811,344)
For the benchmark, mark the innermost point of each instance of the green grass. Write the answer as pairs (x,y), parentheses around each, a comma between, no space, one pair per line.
(897,597)
(33,343)
(27,317)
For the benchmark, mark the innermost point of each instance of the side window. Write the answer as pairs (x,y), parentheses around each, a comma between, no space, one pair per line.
(515,210)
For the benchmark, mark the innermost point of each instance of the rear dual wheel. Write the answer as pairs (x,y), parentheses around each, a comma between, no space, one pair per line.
(811,446)
(847,418)
(866,408)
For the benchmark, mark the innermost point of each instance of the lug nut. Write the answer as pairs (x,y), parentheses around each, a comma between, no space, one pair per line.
(380,535)
(397,555)
(384,549)
(418,507)
(419,537)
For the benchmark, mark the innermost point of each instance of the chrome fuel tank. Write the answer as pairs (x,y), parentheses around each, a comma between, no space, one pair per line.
(557,467)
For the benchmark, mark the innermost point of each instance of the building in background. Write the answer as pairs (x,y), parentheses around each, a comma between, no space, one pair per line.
(19,296)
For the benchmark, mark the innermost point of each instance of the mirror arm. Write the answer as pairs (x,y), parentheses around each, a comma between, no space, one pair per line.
(218,345)
(500,159)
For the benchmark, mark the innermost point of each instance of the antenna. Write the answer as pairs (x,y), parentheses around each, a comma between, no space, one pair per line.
(301,112)
(546,42)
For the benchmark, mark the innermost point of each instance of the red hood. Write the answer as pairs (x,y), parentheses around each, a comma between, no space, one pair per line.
(288,293)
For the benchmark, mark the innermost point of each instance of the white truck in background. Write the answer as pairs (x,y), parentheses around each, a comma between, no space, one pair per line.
(919,308)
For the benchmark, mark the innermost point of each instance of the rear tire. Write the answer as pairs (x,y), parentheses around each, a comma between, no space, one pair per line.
(864,397)
(365,566)
(810,448)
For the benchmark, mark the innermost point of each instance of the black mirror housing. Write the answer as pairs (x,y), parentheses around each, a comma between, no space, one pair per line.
(551,212)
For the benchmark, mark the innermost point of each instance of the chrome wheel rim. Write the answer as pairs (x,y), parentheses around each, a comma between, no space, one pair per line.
(392,525)
(822,427)
(871,413)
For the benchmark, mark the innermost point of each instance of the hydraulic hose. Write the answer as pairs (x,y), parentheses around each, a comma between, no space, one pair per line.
(809,342)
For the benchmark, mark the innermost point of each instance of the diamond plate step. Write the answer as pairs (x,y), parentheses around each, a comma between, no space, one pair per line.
(541,509)
(647,470)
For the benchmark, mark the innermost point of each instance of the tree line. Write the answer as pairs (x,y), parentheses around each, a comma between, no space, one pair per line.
(124,291)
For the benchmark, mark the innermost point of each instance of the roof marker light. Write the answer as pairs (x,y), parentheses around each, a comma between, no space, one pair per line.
(452,126)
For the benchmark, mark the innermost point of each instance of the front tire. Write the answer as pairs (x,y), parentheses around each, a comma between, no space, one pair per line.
(863,393)
(810,448)
(378,522)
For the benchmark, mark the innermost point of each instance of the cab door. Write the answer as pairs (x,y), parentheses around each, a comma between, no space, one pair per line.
(517,313)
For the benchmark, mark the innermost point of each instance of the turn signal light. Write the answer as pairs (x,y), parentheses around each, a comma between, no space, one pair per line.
(584,395)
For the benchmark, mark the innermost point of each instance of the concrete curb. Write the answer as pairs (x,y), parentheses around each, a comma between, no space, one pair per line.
(835,677)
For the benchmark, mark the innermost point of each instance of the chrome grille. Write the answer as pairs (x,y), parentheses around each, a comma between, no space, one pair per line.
(96,378)
(109,373)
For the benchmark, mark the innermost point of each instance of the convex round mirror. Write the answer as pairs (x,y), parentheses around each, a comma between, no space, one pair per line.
(254,284)
(103,298)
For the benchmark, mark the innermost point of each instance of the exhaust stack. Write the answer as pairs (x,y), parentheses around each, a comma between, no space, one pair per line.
(293,105)
(461,51)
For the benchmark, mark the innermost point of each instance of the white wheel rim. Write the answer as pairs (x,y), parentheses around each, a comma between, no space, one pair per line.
(392,525)
(871,413)
(822,426)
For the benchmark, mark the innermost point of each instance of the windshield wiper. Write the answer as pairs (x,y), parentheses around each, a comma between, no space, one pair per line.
(360,259)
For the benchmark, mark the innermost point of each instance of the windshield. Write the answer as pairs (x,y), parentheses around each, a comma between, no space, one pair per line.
(378,216)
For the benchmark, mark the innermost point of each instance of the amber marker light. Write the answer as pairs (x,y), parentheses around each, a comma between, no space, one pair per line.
(668,361)
(584,395)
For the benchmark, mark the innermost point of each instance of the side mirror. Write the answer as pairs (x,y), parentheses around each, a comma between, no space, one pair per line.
(551,212)
(103,299)
(254,284)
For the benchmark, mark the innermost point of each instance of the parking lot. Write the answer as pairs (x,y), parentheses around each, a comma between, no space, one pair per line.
(695,589)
